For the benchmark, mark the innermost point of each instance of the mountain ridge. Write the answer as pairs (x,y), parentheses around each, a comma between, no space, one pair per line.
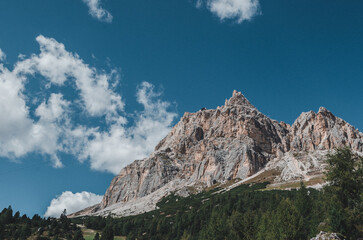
(232,142)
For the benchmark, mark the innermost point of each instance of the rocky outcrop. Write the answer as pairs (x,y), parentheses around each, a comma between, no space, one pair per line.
(326,236)
(233,141)
(322,131)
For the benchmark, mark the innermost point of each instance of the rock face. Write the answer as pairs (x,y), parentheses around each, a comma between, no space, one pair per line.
(209,146)
(321,131)
(234,141)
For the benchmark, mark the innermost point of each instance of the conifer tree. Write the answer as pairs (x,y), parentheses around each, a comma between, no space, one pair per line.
(97,237)
(107,233)
(345,187)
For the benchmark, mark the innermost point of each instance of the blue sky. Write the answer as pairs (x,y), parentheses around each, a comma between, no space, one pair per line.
(88,86)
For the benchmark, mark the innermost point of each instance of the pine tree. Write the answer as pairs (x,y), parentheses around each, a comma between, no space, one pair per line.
(217,227)
(345,178)
(78,235)
(107,233)
(236,225)
(288,220)
(97,237)
(25,231)
(8,215)
(304,205)
(249,227)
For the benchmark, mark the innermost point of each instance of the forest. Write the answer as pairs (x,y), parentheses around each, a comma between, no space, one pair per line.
(15,226)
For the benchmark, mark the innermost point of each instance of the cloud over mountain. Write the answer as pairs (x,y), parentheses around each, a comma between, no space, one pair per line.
(106,149)
(72,202)
(50,128)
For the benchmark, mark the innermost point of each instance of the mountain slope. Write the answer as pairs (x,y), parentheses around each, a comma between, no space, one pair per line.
(232,142)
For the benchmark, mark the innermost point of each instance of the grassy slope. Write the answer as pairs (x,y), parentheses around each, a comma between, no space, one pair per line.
(89,234)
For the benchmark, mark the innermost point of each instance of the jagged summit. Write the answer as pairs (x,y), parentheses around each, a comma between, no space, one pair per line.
(231,142)
(238,99)
(322,130)
(323,109)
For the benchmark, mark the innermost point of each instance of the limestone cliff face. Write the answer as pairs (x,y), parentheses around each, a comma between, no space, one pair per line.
(322,131)
(209,146)
(234,141)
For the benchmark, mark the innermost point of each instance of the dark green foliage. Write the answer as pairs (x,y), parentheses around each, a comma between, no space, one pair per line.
(107,233)
(346,177)
(16,227)
(288,221)
(305,205)
(6,216)
(242,226)
(344,193)
(97,237)
(97,223)
(78,235)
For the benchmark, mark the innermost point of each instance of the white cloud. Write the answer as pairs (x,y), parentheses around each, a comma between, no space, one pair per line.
(49,129)
(2,55)
(97,11)
(72,202)
(52,124)
(19,134)
(58,65)
(112,150)
(54,109)
(239,10)
(15,126)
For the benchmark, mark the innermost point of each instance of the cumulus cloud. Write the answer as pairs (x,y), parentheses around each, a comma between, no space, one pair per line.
(113,149)
(72,202)
(15,126)
(97,11)
(58,65)
(50,128)
(19,134)
(239,10)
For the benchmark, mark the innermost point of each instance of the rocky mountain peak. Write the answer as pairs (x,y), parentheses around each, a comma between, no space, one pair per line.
(323,131)
(323,110)
(232,142)
(238,99)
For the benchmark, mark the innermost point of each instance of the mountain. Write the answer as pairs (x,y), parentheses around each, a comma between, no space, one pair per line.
(227,146)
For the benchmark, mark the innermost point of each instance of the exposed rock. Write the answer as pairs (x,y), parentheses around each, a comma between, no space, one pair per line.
(322,131)
(233,141)
(298,166)
(87,211)
(326,236)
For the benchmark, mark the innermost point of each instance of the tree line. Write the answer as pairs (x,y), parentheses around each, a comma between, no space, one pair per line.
(15,226)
